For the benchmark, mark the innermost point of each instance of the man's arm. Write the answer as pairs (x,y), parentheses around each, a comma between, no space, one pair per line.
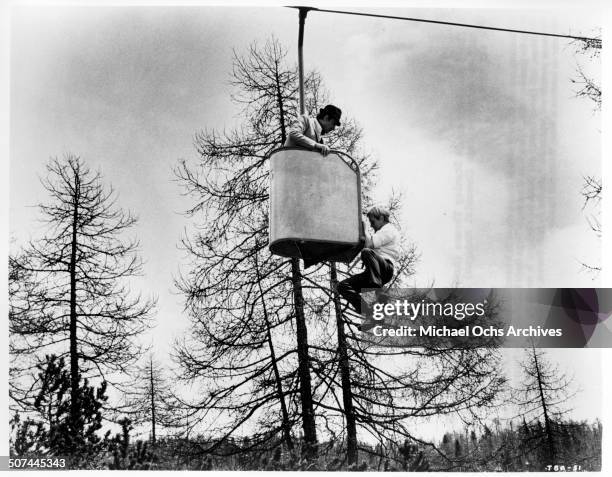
(298,138)
(383,237)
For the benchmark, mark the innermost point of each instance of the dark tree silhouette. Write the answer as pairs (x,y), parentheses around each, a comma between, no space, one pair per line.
(512,449)
(69,294)
(50,431)
(244,302)
(148,398)
(590,88)
(543,401)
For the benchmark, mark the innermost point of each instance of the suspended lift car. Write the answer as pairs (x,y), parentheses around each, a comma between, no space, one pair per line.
(315,205)
(315,201)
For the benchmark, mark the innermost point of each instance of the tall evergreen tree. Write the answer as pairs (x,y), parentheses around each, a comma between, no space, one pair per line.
(76,301)
(149,399)
(543,400)
(235,286)
(50,430)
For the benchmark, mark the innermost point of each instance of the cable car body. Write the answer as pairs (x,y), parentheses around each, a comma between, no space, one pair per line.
(315,205)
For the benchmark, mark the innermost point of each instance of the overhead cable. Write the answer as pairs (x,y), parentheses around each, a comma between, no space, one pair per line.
(594,41)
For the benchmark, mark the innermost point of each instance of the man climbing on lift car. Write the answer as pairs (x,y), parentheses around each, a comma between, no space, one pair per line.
(306,132)
(382,249)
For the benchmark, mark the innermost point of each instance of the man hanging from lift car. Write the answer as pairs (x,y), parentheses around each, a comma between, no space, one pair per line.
(381,251)
(306,131)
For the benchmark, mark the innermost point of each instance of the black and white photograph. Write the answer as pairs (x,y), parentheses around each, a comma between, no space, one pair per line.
(225,223)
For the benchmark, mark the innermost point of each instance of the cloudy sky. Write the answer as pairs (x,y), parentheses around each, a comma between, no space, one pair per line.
(480,130)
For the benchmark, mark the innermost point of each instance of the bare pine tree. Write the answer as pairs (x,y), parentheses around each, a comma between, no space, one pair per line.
(235,285)
(543,401)
(590,88)
(149,399)
(76,301)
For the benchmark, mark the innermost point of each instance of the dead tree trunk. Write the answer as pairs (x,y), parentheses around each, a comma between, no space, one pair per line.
(152,402)
(74,358)
(308,420)
(547,425)
(347,393)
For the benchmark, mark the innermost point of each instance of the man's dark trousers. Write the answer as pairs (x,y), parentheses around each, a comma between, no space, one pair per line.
(378,271)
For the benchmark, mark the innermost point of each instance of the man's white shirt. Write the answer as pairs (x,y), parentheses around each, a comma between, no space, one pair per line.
(385,242)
